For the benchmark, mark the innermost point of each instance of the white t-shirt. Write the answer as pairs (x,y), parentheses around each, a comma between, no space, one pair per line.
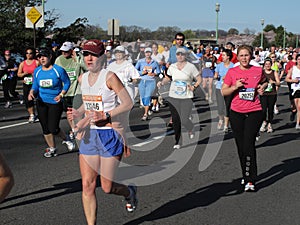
(126,72)
(181,79)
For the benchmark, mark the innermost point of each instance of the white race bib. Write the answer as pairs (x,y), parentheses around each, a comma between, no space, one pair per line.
(47,83)
(28,80)
(92,102)
(180,87)
(247,94)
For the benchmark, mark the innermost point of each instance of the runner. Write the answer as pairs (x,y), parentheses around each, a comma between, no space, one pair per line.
(245,82)
(148,69)
(293,77)
(25,72)
(100,131)
(269,98)
(50,84)
(68,61)
(181,93)
(223,102)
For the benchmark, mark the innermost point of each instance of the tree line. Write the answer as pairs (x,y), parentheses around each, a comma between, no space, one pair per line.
(14,35)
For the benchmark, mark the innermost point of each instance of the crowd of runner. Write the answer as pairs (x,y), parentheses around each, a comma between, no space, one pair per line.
(97,83)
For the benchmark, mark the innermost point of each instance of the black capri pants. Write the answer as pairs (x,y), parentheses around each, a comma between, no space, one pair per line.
(49,116)
(26,90)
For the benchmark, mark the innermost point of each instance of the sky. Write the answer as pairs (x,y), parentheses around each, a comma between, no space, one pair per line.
(191,14)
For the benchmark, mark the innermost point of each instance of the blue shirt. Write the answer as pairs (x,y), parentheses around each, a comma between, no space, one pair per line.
(47,84)
(222,70)
(172,57)
(142,64)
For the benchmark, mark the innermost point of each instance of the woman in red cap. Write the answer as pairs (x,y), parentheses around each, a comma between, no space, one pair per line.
(100,131)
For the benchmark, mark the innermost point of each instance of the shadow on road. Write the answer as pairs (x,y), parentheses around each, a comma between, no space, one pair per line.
(66,188)
(278,172)
(212,193)
(199,198)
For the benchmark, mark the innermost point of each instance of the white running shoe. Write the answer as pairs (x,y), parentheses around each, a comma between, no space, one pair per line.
(249,187)
(131,202)
(176,146)
(50,152)
(263,127)
(8,105)
(70,145)
(31,118)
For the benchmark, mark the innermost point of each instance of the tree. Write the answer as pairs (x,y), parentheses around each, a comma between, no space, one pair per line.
(233,31)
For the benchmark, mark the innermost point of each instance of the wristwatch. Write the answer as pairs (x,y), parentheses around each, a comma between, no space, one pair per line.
(108,117)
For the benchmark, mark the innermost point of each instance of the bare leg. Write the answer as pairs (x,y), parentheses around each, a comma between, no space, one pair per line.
(49,138)
(88,169)
(6,179)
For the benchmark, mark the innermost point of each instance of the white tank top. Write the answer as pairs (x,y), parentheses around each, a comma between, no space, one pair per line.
(98,97)
(295,75)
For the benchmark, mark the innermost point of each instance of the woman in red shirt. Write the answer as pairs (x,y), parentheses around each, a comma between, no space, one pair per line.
(245,82)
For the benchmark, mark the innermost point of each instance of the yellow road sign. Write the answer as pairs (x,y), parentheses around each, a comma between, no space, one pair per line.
(34,15)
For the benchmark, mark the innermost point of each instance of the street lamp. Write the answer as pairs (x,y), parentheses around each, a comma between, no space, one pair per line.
(217,10)
(284,38)
(262,22)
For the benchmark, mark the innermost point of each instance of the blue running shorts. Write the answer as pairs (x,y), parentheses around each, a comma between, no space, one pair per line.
(102,142)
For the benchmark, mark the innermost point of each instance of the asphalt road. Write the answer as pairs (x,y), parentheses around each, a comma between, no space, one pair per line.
(198,184)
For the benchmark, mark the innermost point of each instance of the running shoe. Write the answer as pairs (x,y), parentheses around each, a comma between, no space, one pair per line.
(176,146)
(257,137)
(263,127)
(191,134)
(50,152)
(226,130)
(220,124)
(206,96)
(70,145)
(150,112)
(297,126)
(71,136)
(249,187)
(131,201)
(270,129)
(8,105)
(31,118)
(276,111)
(144,118)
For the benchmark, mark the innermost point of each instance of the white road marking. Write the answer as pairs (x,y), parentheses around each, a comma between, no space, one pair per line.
(153,139)
(13,125)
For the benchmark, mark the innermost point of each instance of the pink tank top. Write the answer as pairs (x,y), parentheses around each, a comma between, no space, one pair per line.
(29,68)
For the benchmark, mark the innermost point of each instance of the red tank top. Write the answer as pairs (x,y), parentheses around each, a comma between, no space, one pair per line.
(29,68)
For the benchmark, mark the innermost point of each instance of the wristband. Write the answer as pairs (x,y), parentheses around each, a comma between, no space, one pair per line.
(61,94)
(108,117)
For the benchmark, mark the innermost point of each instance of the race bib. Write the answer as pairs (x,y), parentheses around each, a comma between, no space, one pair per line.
(148,69)
(180,87)
(247,94)
(208,64)
(72,74)
(28,80)
(92,102)
(269,88)
(47,83)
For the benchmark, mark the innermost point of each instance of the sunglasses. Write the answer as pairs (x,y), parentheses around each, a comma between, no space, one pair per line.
(117,51)
(89,53)
(180,53)
(179,39)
